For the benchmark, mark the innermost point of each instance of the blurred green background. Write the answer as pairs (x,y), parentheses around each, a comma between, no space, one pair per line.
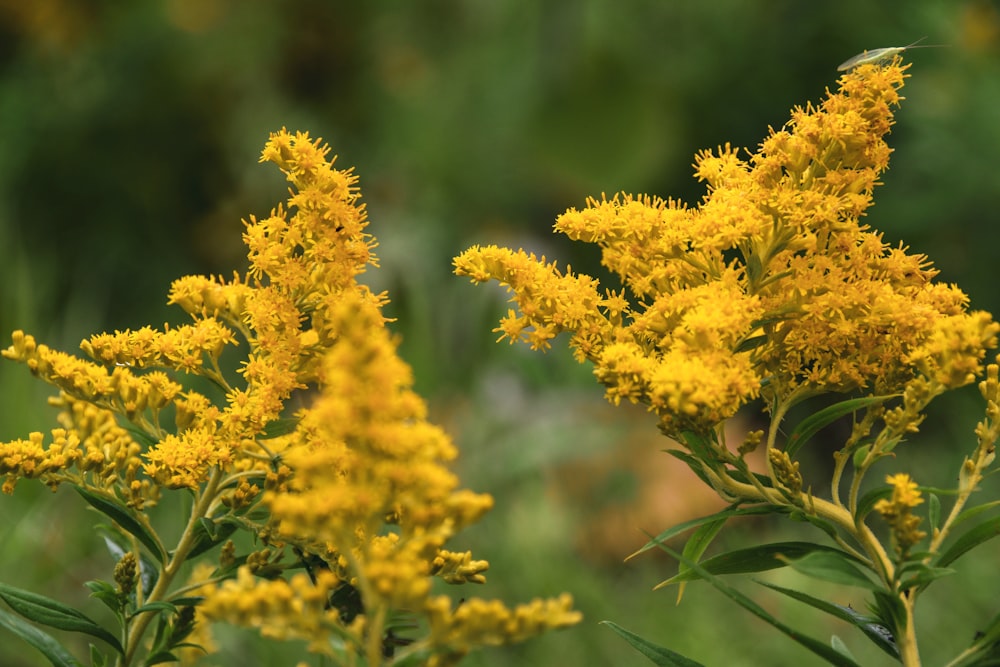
(129,138)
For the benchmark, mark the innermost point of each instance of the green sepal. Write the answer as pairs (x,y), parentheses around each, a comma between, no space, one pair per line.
(54,614)
(41,640)
(663,657)
(812,424)
(124,517)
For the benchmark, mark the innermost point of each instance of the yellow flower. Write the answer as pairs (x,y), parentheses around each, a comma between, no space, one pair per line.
(897,512)
(770,286)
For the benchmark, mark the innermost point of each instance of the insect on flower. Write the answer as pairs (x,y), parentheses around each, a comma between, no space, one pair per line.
(880,55)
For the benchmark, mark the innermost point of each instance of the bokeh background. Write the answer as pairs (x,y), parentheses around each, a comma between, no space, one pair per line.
(129,139)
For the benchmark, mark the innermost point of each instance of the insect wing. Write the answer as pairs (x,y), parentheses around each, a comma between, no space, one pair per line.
(872,56)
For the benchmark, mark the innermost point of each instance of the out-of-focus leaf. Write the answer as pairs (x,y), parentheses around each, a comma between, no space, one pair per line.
(831,565)
(55,614)
(969,540)
(819,648)
(752,559)
(731,511)
(46,644)
(125,518)
(878,633)
(663,657)
(812,424)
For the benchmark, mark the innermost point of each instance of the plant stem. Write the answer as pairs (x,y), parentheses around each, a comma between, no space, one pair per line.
(170,570)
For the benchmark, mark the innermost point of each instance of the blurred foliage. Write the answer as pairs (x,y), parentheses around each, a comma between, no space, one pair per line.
(131,133)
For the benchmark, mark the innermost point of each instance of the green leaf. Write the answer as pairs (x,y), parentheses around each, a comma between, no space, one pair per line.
(974,511)
(692,462)
(97,659)
(811,425)
(838,645)
(933,511)
(748,344)
(659,655)
(125,518)
(878,633)
(209,534)
(753,559)
(41,640)
(924,575)
(117,544)
(107,594)
(159,658)
(157,606)
(833,565)
(867,502)
(731,511)
(819,648)
(279,427)
(701,445)
(696,545)
(826,526)
(969,540)
(47,611)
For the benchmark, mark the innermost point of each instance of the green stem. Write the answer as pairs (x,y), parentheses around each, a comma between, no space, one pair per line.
(173,566)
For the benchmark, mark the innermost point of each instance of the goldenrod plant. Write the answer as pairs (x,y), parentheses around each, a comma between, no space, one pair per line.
(319,503)
(770,295)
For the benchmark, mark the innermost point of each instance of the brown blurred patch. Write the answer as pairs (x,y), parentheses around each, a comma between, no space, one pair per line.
(634,488)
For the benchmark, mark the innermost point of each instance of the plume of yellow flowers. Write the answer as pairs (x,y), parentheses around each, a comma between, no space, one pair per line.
(354,486)
(770,287)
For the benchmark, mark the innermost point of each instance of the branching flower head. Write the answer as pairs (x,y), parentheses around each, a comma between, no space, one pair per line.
(354,486)
(772,285)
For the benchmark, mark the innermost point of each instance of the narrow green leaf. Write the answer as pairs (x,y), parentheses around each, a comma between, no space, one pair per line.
(696,545)
(974,512)
(824,525)
(97,659)
(699,444)
(924,576)
(748,344)
(819,648)
(157,606)
(811,425)
(753,559)
(279,427)
(209,534)
(731,511)
(867,502)
(663,657)
(692,462)
(52,613)
(125,518)
(160,658)
(115,540)
(878,633)
(838,645)
(107,594)
(833,565)
(933,511)
(46,644)
(969,540)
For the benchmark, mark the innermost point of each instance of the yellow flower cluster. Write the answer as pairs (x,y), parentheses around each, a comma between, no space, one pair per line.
(771,286)
(355,485)
(898,512)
